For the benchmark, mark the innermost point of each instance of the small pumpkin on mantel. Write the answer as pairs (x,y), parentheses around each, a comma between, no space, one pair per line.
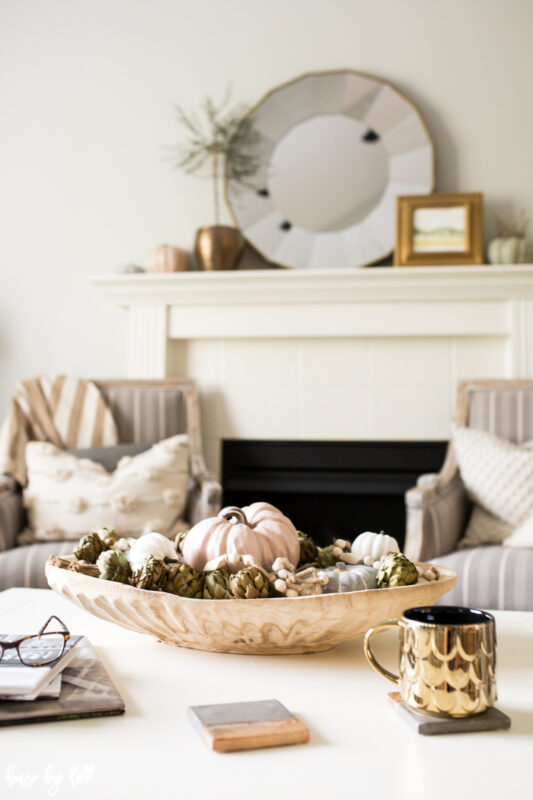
(166,258)
(507,250)
(259,530)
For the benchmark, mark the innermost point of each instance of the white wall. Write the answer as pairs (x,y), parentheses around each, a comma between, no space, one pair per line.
(87,89)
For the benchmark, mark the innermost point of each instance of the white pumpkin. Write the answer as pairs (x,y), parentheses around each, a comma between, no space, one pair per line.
(507,250)
(374,545)
(151,544)
(259,530)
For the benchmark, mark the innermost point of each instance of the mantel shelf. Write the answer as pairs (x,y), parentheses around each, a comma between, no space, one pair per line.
(376,284)
(349,354)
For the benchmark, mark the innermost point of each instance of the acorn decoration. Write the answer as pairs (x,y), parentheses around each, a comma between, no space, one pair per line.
(114,566)
(151,575)
(248,583)
(89,548)
(183,580)
(396,570)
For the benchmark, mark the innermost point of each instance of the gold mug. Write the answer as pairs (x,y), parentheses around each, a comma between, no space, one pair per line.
(447,659)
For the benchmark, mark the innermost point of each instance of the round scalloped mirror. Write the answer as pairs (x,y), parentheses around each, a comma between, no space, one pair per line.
(335,149)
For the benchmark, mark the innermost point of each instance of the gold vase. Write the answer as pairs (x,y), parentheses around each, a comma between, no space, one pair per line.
(218,247)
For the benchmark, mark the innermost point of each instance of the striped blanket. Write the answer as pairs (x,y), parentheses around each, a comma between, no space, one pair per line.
(68,412)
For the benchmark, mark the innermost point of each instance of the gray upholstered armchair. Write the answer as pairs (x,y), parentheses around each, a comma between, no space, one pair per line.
(438,508)
(144,412)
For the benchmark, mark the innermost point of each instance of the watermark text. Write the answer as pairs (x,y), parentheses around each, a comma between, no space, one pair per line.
(52,778)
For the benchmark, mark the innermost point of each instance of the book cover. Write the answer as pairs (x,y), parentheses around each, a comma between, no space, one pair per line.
(86,691)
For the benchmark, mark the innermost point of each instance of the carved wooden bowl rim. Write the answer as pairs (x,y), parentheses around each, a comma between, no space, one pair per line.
(446,575)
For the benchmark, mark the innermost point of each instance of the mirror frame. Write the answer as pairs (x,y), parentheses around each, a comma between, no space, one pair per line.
(387,247)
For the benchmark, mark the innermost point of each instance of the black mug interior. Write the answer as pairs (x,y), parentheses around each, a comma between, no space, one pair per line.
(447,615)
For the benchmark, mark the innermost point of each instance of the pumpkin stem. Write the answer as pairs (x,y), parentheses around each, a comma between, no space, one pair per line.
(233,514)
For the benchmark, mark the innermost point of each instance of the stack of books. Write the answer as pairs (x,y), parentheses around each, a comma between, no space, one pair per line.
(75,686)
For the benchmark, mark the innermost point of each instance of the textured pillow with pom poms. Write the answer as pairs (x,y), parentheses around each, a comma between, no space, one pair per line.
(67,497)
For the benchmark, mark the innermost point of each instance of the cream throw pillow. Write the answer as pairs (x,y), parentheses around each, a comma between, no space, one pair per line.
(498,476)
(484,528)
(67,497)
(522,536)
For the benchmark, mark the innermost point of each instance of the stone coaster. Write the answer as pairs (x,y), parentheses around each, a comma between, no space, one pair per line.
(247,726)
(490,720)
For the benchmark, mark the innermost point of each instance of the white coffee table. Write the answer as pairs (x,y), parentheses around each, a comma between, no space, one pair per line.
(359,746)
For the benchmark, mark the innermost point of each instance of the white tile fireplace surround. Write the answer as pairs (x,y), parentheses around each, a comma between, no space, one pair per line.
(363,354)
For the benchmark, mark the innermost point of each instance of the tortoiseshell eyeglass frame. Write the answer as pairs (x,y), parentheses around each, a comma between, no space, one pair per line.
(65,633)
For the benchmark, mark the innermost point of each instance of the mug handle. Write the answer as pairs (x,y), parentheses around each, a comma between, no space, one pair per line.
(385,626)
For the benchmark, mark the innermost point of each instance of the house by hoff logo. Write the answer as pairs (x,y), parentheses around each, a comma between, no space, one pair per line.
(51,779)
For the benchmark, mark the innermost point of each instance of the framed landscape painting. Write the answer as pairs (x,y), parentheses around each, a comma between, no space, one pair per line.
(440,229)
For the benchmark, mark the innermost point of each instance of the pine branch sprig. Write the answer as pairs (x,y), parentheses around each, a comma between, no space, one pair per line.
(225,141)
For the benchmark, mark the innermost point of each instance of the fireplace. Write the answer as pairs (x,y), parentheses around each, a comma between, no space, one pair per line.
(329,488)
(334,355)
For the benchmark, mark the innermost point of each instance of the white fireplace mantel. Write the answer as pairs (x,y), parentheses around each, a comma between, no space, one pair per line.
(376,284)
(365,353)
(382,302)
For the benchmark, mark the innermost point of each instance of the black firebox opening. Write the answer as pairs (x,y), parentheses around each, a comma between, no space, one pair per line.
(329,489)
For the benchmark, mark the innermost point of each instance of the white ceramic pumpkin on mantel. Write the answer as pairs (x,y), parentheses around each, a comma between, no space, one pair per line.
(259,530)
(374,545)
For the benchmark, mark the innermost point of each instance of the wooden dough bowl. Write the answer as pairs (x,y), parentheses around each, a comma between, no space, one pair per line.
(269,626)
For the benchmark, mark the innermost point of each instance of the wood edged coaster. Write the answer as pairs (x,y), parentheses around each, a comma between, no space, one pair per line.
(490,720)
(247,726)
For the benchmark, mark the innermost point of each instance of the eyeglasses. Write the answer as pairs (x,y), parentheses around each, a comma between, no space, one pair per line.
(38,650)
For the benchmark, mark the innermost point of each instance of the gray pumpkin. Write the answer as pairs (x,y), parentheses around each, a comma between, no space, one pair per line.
(350,577)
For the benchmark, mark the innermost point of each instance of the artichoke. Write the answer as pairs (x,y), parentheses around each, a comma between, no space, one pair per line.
(217,585)
(151,575)
(108,537)
(308,549)
(114,566)
(396,570)
(326,557)
(179,540)
(89,548)
(248,583)
(183,580)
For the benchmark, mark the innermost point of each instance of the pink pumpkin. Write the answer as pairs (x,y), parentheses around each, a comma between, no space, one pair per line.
(259,530)
(166,258)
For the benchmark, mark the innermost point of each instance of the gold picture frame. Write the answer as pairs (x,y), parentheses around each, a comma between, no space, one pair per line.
(439,230)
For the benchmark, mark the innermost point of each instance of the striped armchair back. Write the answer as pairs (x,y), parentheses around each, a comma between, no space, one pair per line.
(150,410)
(504,408)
